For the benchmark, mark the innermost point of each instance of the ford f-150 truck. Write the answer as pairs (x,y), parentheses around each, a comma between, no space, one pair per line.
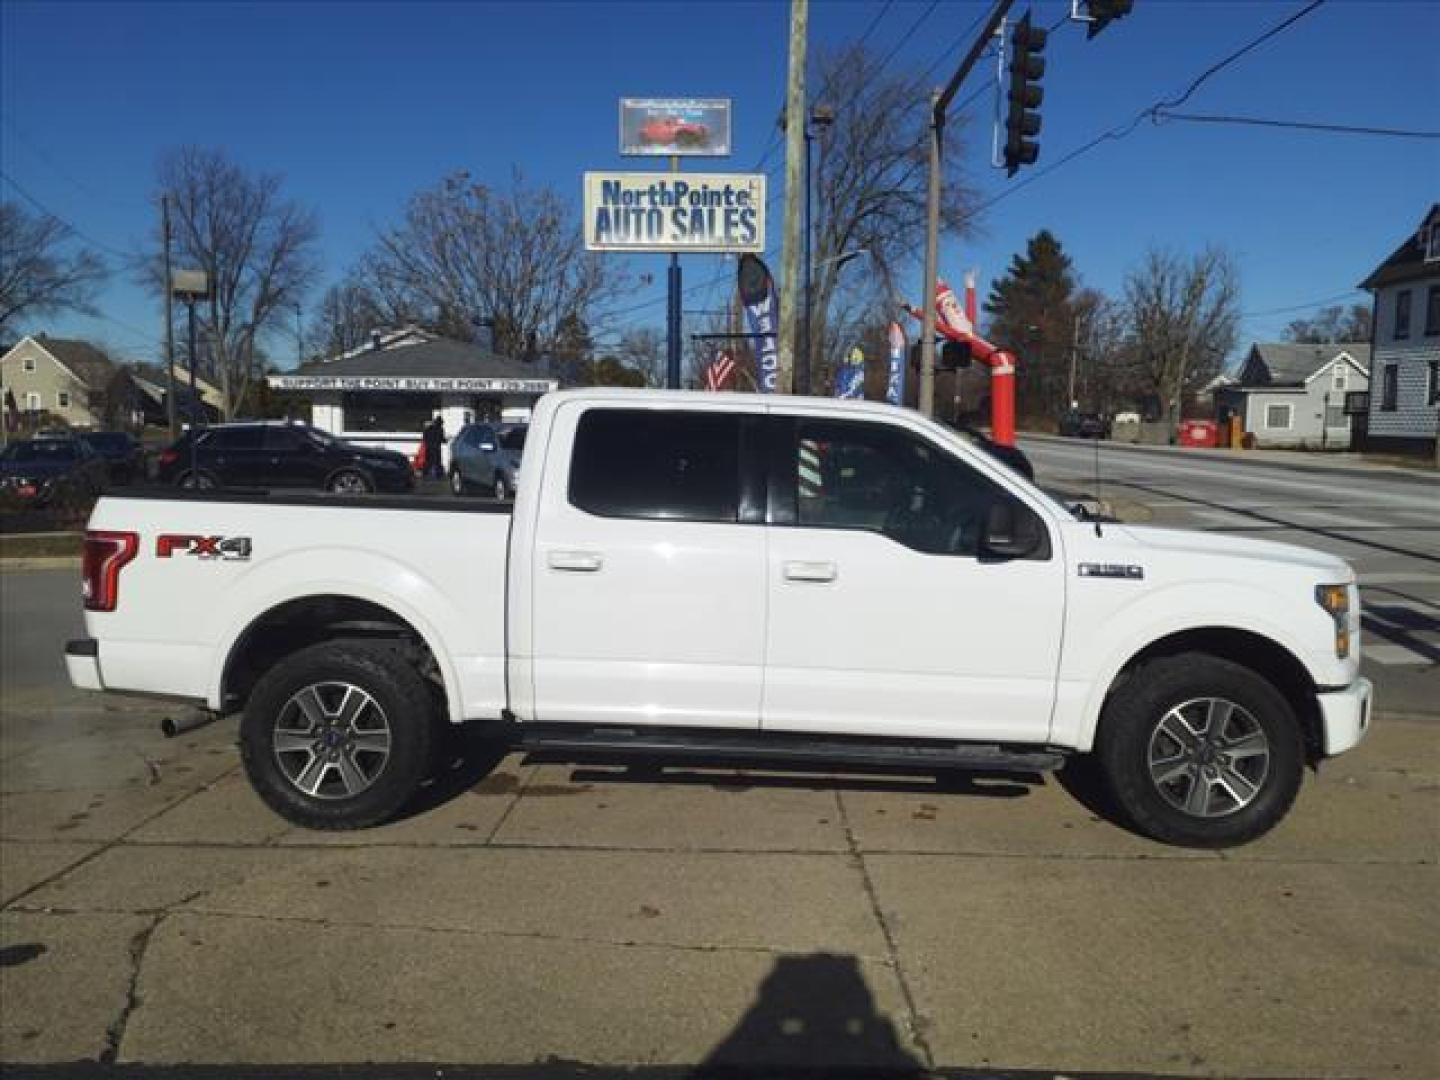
(733,578)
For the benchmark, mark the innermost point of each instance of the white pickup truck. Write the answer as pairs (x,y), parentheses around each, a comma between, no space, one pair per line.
(740,578)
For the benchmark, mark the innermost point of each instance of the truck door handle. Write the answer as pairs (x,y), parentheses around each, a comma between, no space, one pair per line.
(581,561)
(811,571)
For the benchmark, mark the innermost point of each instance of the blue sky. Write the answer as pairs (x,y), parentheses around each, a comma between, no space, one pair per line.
(361,104)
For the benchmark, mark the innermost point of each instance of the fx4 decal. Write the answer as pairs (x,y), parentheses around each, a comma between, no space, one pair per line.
(203,547)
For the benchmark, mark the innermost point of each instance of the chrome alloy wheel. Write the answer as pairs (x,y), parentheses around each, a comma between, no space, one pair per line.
(349,483)
(332,740)
(1209,757)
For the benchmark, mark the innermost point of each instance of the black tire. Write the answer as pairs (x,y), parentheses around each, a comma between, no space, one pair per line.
(458,486)
(1163,777)
(406,710)
(198,481)
(349,482)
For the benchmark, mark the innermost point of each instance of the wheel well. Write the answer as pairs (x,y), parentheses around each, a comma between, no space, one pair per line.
(298,624)
(1267,658)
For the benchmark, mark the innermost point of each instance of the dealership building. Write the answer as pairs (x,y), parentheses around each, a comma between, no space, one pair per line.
(384,393)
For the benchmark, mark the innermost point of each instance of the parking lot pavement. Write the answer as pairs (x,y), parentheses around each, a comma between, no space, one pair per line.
(529,913)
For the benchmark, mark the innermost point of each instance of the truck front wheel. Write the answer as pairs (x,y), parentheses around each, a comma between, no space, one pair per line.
(1200,751)
(338,736)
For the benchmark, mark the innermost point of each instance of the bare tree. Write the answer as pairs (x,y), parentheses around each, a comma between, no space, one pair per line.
(870,176)
(1332,324)
(1184,316)
(37,277)
(347,314)
(642,349)
(257,247)
(466,251)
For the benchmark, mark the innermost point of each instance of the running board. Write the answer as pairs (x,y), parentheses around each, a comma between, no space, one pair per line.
(780,749)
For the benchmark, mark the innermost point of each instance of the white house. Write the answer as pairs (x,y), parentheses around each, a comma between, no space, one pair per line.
(60,378)
(1290,395)
(384,393)
(1404,413)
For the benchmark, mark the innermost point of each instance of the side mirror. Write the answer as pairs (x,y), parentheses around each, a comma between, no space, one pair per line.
(1012,531)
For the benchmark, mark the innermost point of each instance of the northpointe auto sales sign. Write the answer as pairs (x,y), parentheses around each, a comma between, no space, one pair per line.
(674,212)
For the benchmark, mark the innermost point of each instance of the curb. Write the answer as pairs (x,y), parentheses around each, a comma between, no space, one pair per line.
(40,562)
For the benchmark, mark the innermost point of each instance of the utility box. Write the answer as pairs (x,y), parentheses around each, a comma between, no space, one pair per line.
(1199,433)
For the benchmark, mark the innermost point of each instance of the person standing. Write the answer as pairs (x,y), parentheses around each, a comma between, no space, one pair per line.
(434,437)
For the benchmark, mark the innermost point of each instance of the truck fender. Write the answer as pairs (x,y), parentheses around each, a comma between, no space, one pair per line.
(352,573)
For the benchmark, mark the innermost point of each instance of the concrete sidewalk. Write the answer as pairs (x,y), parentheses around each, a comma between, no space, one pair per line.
(155,912)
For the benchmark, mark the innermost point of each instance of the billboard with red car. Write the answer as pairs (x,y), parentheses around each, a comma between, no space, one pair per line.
(665,127)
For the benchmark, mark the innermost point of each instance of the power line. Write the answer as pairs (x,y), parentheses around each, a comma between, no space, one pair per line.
(1305,305)
(907,35)
(50,213)
(1302,125)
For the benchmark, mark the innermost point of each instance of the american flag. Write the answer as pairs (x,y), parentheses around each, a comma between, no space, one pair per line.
(719,372)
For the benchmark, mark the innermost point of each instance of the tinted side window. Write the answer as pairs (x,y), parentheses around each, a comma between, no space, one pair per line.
(676,466)
(884,479)
(241,438)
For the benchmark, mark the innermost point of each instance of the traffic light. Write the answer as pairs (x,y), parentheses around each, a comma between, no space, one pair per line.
(1103,12)
(1027,67)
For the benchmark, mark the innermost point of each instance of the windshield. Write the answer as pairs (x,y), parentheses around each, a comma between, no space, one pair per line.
(44,450)
(514,439)
(109,442)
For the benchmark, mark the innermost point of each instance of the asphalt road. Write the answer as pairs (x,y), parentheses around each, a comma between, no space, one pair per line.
(1385,522)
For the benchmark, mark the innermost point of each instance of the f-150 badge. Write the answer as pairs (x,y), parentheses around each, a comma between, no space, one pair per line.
(1112,570)
(230,548)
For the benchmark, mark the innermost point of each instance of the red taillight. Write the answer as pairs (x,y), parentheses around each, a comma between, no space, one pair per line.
(106,554)
(168,457)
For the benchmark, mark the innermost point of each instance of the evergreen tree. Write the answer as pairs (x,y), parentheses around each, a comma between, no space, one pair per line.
(1032,314)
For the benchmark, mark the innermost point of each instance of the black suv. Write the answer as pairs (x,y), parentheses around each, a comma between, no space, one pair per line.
(1084,425)
(277,455)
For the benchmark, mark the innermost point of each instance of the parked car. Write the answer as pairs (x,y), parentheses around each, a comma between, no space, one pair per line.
(487,456)
(280,454)
(1084,425)
(737,577)
(55,468)
(123,454)
(671,130)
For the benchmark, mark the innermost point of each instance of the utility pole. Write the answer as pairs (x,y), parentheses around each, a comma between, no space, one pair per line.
(939,102)
(790,255)
(169,320)
(1074,356)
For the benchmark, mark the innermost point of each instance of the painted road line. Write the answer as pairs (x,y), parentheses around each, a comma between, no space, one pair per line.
(1394,656)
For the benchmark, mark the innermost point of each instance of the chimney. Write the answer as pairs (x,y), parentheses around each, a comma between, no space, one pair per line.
(485,334)
(375,340)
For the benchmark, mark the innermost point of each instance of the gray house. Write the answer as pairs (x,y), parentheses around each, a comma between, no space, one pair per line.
(1293,396)
(1405,405)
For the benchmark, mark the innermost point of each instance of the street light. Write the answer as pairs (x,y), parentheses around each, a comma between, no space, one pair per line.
(819,122)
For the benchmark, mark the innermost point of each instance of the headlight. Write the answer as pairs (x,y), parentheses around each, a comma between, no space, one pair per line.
(1335,599)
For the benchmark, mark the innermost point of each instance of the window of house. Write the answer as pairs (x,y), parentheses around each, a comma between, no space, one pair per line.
(28,364)
(1432,311)
(1402,313)
(1432,242)
(1389,388)
(1434,396)
(62,399)
(1338,380)
(661,466)
(375,410)
(32,401)
(1278,416)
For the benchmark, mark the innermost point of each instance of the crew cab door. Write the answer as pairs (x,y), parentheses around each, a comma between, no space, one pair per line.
(648,569)
(887,614)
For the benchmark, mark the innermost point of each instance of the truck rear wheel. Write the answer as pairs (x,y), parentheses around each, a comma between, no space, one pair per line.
(1200,751)
(338,736)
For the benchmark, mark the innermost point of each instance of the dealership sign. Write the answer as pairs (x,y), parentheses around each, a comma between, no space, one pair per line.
(672,127)
(415,384)
(674,211)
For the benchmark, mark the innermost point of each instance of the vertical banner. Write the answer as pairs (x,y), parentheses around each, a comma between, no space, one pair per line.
(895,384)
(850,378)
(757,293)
